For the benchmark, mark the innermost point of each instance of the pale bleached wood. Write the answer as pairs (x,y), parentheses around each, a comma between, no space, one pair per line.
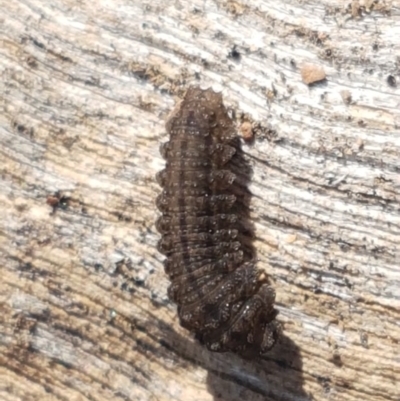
(84,91)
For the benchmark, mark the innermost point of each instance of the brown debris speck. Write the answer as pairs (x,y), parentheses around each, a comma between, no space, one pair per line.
(346,96)
(58,201)
(31,61)
(246,130)
(311,73)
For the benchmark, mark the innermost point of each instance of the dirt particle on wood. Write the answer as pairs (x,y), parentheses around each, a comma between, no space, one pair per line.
(311,73)
(391,80)
(346,96)
(58,200)
(246,130)
(31,61)
(234,53)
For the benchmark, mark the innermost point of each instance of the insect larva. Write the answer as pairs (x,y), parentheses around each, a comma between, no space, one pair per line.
(221,296)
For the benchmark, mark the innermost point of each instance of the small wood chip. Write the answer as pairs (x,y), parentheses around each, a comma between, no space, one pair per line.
(311,73)
(246,130)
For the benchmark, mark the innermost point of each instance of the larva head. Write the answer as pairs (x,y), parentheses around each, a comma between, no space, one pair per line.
(201,113)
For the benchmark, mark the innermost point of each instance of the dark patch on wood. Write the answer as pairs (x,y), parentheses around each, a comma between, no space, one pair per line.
(391,80)
(234,53)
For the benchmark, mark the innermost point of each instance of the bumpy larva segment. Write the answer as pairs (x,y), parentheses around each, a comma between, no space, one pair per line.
(221,296)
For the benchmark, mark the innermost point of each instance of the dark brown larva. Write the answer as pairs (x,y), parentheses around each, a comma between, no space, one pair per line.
(221,296)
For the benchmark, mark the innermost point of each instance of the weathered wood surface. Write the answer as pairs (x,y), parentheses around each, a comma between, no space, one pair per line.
(84,91)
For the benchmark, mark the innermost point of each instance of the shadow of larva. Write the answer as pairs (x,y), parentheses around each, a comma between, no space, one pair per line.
(206,235)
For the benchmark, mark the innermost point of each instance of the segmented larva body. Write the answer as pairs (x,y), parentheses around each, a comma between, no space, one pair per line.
(221,296)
